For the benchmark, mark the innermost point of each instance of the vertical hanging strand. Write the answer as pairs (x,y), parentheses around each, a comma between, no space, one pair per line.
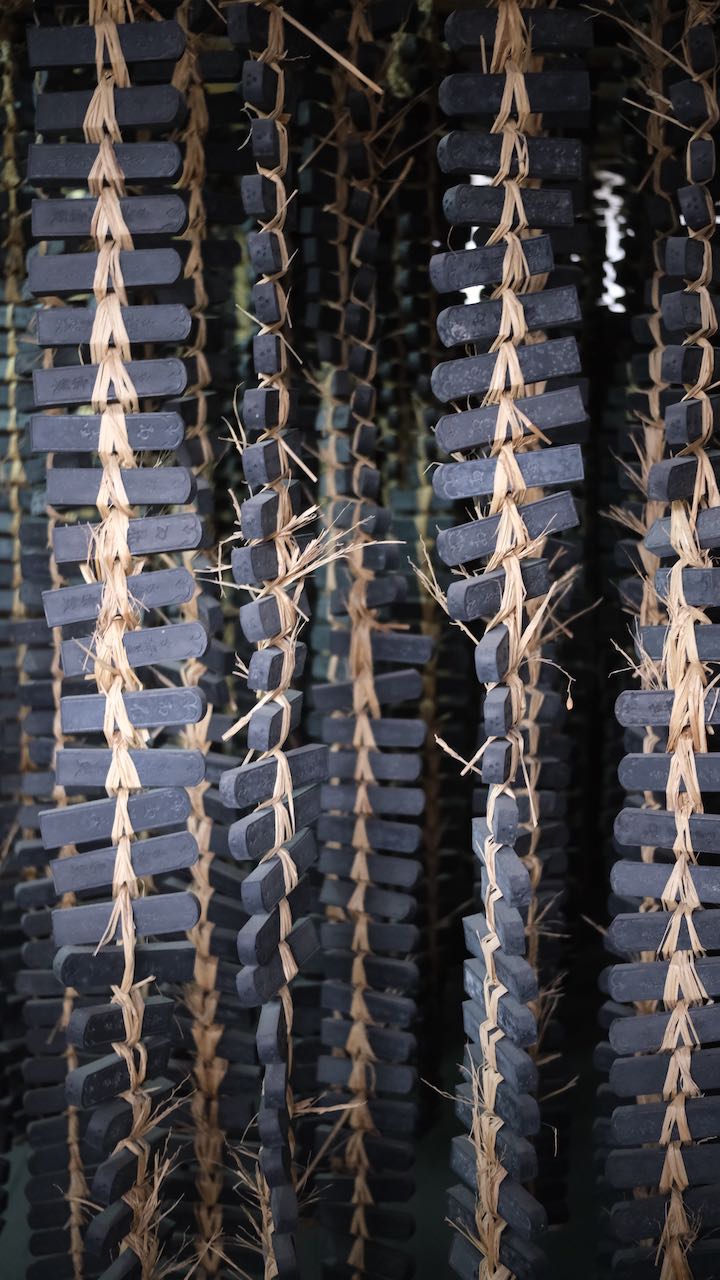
(209,1067)
(113,565)
(507,405)
(277,783)
(105,943)
(369,936)
(669,1060)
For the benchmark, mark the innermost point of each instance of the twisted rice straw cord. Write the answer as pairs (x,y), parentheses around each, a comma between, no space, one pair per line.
(202,995)
(287,587)
(511,56)
(687,734)
(362,622)
(112,562)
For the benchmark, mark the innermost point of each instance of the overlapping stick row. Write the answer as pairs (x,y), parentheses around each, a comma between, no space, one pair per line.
(521,70)
(661,1071)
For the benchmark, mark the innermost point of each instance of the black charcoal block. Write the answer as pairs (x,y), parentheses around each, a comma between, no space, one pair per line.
(151,708)
(453,379)
(549,412)
(93,820)
(472,598)
(467,267)
(542,468)
(155,107)
(80,433)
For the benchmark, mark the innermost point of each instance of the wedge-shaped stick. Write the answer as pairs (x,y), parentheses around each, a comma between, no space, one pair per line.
(685,257)
(74,384)
(384,1188)
(254,836)
(90,970)
(644,1218)
(658,827)
(106,1077)
(402,873)
(515,1064)
(384,1007)
(472,94)
(389,1044)
(455,480)
(386,1077)
(382,969)
(519,1110)
(550,412)
(682,365)
(388,590)
(453,379)
(504,824)
(265,886)
(154,916)
(480,321)
(472,598)
(707,530)
(149,709)
(521,1258)
(466,267)
(385,766)
(384,903)
(549,30)
(259,514)
(674,478)
(261,619)
(117,1175)
(170,644)
(259,937)
(639,1124)
(701,587)
(646,981)
(515,1020)
(165,323)
(266,666)
(644,931)
(642,1167)
(73,543)
(63,274)
(394,837)
(466,206)
(516,1206)
(681,310)
(98,1026)
(75,46)
(259,984)
(148,591)
(556,159)
(640,707)
(390,688)
(394,732)
(67,163)
(266,726)
(254,783)
(513,972)
(644,1034)
(78,433)
(162,766)
(649,772)
(388,646)
(155,107)
(93,820)
(145,486)
(402,802)
(512,876)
